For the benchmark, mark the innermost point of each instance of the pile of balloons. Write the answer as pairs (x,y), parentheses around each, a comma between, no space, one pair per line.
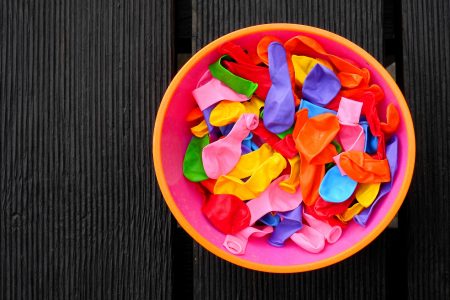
(288,143)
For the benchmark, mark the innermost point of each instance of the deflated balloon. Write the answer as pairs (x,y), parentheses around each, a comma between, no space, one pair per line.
(256,184)
(279,107)
(220,157)
(392,156)
(226,213)
(336,187)
(259,75)
(361,167)
(321,85)
(314,110)
(291,223)
(316,134)
(192,163)
(211,90)
(236,83)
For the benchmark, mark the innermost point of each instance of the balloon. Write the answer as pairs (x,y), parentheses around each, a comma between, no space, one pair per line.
(211,90)
(371,142)
(273,199)
(350,212)
(286,146)
(393,120)
(349,80)
(291,223)
(256,184)
(321,85)
(194,115)
(316,134)
(392,156)
(237,243)
(327,209)
(364,169)
(250,162)
(331,233)
(302,66)
(290,185)
(200,129)
(349,111)
(310,178)
(226,112)
(309,239)
(257,74)
(236,83)
(335,187)
(226,213)
(270,219)
(238,54)
(192,164)
(221,156)
(279,107)
(366,193)
(314,110)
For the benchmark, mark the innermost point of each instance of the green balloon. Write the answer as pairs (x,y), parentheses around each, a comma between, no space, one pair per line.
(337,146)
(281,135)
(192,164)
(234,82)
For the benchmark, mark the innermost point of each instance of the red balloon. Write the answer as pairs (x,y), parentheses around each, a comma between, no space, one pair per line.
(227,213)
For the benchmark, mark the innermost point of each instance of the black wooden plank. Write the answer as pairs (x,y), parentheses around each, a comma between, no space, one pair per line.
(361,22)
(362,276)
(426,47)
(80,214)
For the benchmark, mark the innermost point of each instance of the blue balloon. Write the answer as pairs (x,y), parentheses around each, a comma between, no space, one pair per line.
(336,188)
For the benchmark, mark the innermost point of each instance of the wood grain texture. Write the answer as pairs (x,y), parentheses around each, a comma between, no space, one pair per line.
(80,214)
(359,21)
(363,276)
(426,48)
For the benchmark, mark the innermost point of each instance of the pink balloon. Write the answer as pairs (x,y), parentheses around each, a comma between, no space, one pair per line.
(211,90)
(220,157)
(237,243)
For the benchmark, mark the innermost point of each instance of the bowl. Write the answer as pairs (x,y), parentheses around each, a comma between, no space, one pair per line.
(172,135)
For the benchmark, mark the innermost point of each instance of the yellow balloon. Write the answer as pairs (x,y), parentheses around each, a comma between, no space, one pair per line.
(253,106)
(200,130)
(350,212)
(366,193)
(256,184)
(290,185)
(226,112)
(248,163)
(302,66)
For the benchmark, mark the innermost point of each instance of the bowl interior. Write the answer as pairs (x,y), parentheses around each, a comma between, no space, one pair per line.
(175,136)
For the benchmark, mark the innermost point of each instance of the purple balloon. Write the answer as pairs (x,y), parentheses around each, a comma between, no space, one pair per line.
(321,85)
(214,132)
(279,108)
(392,156)
(291,223)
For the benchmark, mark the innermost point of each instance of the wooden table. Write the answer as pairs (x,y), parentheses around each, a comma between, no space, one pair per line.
(81,216)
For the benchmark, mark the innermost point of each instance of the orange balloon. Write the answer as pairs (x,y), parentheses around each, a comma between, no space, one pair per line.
(392,120)
(326,156)
(263,47)
(316,134)
(310,178)
(362,168)
(301,117)
(349,80)
(194,115)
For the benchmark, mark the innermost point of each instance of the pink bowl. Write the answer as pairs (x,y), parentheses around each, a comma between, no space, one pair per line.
(172,135)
